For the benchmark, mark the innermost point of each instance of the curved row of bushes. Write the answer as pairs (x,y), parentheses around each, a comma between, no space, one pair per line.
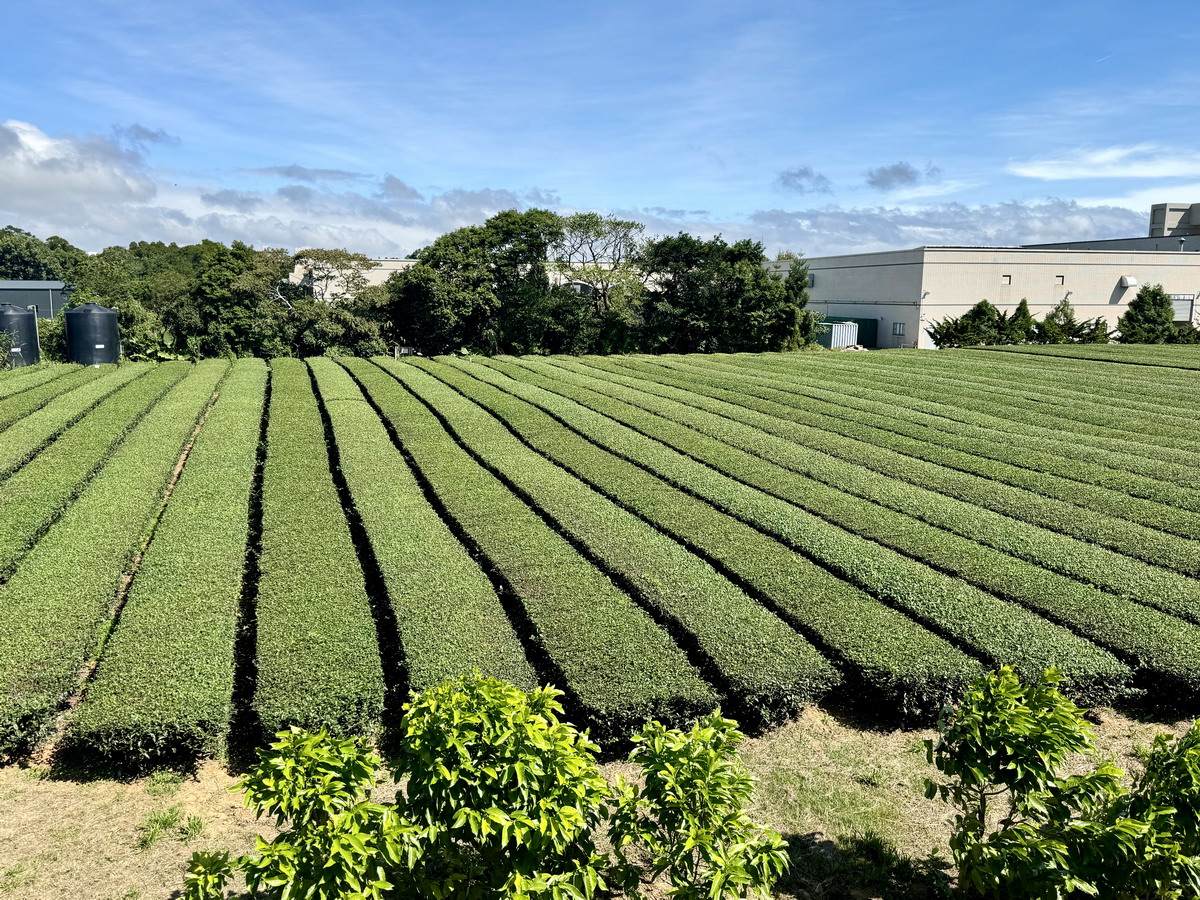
(1040,499)
(1162,645)
(449,619)
(317,650)
(164,684)
(900,669)
(764,667)
(991,628)
(617,664)
(55,610)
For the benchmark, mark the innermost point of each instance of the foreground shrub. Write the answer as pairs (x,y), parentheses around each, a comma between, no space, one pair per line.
(689,819)
(499,799)
(1023,829)
(336,842)
(507,796)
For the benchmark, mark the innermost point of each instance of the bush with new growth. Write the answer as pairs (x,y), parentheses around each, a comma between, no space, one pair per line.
(499,799)
(689,817)
(1024,829)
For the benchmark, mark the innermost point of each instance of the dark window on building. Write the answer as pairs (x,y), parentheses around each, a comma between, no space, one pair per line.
(898,329)
(1060,279)
(1006,279)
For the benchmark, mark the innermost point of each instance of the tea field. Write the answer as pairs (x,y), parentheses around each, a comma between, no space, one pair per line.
(191,554)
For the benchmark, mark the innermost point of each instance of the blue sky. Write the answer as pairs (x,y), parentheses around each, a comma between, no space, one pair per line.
(815,127)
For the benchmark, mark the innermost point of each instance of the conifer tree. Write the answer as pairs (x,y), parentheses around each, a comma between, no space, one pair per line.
(1022,327)
(1059,326)
(1150,318)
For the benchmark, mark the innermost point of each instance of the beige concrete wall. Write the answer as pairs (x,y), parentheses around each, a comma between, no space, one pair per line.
(918,287)
(885,286)
(378,274)
(955,279)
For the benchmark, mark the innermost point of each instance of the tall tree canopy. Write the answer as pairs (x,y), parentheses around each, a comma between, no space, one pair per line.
(522,282)
(710,296)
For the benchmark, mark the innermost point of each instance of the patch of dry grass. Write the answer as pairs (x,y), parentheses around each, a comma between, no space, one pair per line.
(88,840)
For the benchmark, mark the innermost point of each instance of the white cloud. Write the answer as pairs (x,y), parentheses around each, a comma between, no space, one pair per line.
(62,176)
(97,191)
(1136,161)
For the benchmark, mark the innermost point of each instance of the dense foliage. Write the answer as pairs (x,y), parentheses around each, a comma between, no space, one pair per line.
(984,324)
(1150,319)
(522,282)
(687,820)
(1025,828)
(497,798)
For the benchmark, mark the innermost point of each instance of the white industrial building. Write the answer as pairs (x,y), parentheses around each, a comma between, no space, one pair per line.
(905,291)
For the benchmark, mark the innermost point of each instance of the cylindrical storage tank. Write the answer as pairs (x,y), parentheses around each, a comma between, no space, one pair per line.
(92,337)
(21,325)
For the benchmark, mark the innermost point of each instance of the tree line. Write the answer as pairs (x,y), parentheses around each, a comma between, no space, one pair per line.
(1149,319)
(522,282)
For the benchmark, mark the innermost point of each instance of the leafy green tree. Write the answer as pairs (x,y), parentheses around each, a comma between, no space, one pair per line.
(24,258)
(1023,829)
(793,326)
(448,301)
(1059,326)
(232,285)
(689,817)
(594,262)
(482,289)
(1094,331)
(334,276)
(1149,319)
(506,796)
(710,296)
(982,324)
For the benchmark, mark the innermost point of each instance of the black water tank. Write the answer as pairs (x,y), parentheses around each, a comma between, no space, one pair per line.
(92,336)
(21,325)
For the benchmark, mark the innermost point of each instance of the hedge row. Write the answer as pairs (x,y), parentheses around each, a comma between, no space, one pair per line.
(1174,357)
(1115,573)
(448,615)
(907,671)
(1066,388)
(869,421)
(317,648)
(1101,445)
(1034,453)
(998,631)
(1163,646)
(1128,539)
(1123,436)
(30,434)
(16,380)
(765,669)
(55,609)
(17,407)
(36,494)
(1084,414)
(618,665)
(1158,391)
(164,683)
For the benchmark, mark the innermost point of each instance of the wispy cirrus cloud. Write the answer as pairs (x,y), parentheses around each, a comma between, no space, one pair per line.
(304,173)
(1134,161)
